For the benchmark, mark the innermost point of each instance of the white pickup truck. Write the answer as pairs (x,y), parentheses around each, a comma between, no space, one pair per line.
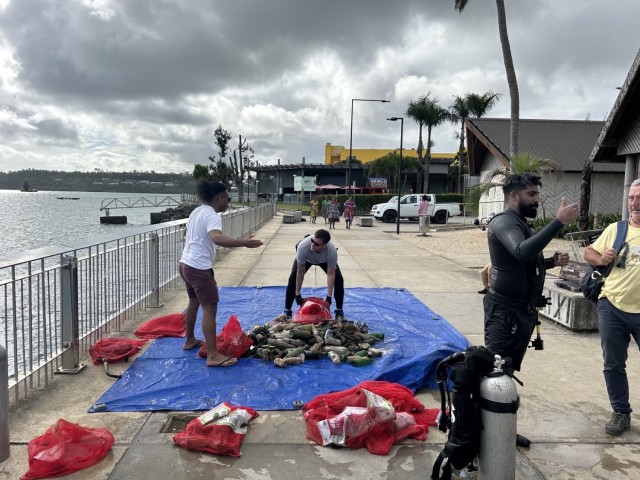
(439,212)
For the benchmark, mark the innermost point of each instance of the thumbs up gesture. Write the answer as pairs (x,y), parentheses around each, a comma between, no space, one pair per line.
(567,213)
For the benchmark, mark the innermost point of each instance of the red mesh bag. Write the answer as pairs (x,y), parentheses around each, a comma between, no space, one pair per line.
(352,419)
(231,341)
(66,448)
(314,310)
(171,325)
(114,349)
(223,436)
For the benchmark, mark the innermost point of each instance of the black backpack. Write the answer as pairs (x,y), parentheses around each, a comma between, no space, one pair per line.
(461,416)
(593,281)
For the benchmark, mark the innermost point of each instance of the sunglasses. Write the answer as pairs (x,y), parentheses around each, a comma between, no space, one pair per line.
(316,244)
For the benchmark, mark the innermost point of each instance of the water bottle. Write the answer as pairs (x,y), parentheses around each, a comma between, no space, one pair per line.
(335,358)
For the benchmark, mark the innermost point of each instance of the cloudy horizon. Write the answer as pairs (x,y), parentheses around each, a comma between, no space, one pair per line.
(142,85)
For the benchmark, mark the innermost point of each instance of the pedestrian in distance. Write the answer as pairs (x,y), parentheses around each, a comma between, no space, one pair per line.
(619,308)
(324,209)
(519,268)
(423,215)
(316,249)
(334,213)
(314,209)
(203,235)
(349,212)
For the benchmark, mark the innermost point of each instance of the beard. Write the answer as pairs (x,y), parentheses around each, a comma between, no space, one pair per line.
(529,211)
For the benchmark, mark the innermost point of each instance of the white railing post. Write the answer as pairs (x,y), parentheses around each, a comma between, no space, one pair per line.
(154,271)
(69,313)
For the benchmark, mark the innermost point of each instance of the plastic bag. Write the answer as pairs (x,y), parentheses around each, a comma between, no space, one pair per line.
(66,448)
(171,325)
(222,436)
(314,310)
(114,349)
(231,341)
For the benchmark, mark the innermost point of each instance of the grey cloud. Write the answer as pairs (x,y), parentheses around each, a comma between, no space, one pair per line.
(56,128)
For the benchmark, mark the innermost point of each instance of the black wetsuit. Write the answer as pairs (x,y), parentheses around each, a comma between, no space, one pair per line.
(517,279)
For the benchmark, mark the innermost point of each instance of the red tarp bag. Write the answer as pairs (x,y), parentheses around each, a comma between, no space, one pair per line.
(231,341)
(66,448)
(223,436)
(314,310)
(171,325)
(350,411)
(114,349)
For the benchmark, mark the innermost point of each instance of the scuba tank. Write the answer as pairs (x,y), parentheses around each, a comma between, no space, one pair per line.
(499,402)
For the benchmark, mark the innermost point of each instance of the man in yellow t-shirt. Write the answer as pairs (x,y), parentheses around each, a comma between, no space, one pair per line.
(619,309)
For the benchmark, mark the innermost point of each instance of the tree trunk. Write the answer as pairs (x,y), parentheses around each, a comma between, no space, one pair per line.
(239,172)
(511,78)
(427,161)
(585,196)
(460,189)
(420,159)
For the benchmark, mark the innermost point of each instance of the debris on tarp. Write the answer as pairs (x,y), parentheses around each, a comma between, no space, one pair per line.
(285,342)
(313,310)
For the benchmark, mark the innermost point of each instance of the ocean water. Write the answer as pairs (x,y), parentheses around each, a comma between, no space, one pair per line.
(30,220)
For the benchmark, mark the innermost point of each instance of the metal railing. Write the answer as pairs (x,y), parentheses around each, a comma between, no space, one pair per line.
(57,301)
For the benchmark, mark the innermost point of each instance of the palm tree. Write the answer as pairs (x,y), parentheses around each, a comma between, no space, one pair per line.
(426,112)
(472,104)
(509,69)
(520,163)
(458,111)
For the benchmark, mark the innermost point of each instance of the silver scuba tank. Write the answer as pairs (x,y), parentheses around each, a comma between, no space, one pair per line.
(499,403)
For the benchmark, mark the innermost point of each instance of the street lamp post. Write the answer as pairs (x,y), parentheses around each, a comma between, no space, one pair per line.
(351,138)
(395,119)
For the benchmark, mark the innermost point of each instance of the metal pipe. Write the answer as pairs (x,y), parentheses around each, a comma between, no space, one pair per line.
(351,138)
(4,405)
(69,306)
(154,270)
(395,119)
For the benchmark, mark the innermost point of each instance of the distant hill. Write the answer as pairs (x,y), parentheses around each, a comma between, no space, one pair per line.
(125,182)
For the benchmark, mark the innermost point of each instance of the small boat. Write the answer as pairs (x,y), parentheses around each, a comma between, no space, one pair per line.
(68,198)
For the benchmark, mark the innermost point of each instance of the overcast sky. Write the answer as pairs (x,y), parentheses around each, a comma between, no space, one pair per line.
(142,84)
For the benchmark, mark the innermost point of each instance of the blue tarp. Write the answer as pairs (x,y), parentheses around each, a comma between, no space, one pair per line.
(165,377)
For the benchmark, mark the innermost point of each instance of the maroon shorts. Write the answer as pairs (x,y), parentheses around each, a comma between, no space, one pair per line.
(201,284)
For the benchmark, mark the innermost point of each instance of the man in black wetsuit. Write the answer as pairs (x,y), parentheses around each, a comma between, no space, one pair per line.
(518,269)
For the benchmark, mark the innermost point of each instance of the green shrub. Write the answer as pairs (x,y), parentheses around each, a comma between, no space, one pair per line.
(607,219)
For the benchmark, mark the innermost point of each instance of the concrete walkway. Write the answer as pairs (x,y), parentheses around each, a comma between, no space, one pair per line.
(563,403)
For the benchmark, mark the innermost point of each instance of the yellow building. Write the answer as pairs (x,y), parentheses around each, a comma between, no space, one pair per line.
(336,154)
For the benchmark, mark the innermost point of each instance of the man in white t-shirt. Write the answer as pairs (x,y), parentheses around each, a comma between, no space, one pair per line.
(204,233)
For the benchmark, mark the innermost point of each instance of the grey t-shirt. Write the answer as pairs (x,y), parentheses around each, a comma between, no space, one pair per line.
(328,255)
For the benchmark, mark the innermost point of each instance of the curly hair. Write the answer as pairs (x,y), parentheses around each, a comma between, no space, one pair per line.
(206,190)
(517,183)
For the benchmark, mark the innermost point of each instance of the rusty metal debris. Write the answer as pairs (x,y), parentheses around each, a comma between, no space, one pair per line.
(285,342)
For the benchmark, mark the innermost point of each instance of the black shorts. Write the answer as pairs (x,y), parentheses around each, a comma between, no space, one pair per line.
(508,328)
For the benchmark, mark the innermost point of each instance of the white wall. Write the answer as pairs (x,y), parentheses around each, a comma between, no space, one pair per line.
(606,191)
